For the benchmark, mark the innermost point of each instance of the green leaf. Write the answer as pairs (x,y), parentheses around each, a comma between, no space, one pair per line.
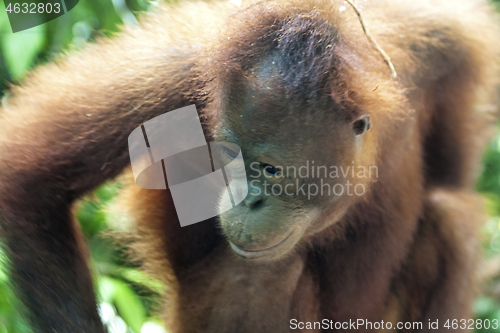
(4,21)
(20,49)
(106,289)
(127,302)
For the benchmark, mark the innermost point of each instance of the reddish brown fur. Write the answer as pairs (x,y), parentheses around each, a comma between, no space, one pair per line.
(405,252)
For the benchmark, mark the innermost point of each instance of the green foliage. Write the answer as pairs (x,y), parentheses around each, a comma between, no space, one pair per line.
(130,307)
(487,306)
(19,50)
(89,19)
(11,320)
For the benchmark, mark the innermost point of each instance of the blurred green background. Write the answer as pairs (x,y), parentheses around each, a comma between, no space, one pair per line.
(128,298)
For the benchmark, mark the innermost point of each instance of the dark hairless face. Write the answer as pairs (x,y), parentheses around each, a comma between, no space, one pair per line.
(283,145)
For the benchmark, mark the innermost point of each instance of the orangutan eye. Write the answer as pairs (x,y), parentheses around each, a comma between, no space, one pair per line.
(271,170)
(361,125)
